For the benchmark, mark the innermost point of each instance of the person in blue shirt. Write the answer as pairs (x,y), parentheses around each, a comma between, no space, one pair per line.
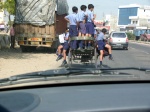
(82,28)
(81,19)
(73,29)
(90,23)
(101,45)
(64,46)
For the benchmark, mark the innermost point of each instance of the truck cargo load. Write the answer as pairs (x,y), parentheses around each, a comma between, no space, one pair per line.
(38,22)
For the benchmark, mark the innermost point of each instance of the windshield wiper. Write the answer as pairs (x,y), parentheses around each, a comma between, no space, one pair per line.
(71,71)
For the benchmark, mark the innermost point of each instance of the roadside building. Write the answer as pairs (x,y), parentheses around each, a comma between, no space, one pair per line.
(133,16)
(111,21)
(100,24)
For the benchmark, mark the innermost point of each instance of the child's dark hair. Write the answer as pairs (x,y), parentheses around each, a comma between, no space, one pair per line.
(74,9)
(13,25)
(90,6)
(104,30)
(67,28)
(83,7)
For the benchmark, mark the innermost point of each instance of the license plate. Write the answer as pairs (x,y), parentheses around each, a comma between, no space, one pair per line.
(34,43)
(35,39)
(118,44)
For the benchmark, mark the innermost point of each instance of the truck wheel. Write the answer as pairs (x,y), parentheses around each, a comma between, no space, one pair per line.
(23,48)
(32,48)
(125,48)
(28,48)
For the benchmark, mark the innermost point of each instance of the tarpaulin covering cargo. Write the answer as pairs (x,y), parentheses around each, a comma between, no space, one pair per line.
(39,12)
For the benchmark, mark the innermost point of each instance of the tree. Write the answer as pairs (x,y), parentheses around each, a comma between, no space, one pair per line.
(9,5)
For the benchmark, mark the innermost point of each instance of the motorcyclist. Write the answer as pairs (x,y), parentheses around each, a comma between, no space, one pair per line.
(101,45)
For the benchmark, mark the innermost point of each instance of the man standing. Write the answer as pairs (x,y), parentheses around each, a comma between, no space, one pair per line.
(12,36)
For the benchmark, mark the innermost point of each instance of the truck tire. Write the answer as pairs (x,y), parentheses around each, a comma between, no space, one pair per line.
(27,48)
(23,48)
(32,48)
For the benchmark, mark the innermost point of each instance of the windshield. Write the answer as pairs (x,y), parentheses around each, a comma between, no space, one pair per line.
(46,37)
(119,35)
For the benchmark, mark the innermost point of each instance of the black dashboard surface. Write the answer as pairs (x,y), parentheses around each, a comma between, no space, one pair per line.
(85,98)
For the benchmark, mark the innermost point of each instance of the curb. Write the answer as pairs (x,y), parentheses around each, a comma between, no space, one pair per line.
(139,42)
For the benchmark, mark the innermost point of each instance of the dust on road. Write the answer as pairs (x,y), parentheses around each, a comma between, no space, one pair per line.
(14,62)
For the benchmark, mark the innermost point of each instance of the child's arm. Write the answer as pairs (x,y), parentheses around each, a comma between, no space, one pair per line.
(95,34)
(93,16)
(85,18)
(77,22)
(67,18)
(66,37)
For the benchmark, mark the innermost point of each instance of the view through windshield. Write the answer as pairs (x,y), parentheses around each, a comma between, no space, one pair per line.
(45,35)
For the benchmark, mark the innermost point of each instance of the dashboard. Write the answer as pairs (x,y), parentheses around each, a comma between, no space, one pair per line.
(134,97)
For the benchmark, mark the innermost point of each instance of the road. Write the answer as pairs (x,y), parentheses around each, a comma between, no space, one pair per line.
(14,62)
(138,55)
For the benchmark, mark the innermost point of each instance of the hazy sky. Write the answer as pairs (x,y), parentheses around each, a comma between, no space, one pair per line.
(105,6)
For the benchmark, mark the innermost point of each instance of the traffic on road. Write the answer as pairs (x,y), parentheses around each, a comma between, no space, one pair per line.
(70,56)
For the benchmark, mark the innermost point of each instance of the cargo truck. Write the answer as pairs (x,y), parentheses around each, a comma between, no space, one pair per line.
(39,22)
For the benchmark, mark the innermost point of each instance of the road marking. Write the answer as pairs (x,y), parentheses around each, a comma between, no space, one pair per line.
(145,52)
(139,50)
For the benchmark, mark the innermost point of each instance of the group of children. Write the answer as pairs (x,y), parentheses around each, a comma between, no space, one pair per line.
(81,25)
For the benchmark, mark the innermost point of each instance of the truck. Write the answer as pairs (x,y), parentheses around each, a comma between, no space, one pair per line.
(39,22)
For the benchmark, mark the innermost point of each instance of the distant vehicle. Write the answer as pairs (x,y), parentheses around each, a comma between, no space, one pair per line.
(145,37)
(118,40)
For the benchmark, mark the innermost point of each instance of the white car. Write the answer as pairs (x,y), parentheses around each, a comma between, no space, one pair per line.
(118,40)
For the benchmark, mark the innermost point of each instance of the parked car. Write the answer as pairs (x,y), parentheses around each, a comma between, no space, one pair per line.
(118,40)
(145,37)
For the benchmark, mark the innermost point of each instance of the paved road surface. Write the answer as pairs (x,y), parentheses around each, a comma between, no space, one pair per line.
(14,62)
(138,55)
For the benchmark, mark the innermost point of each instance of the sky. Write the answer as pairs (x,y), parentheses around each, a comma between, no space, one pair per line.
(103,7)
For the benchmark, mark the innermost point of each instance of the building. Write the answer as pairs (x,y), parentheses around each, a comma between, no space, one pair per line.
(100,24)
(1,15)
(133,16)
(111,21)
(4,16)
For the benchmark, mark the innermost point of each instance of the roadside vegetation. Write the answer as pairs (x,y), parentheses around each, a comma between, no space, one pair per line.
(8,5)
(131,36)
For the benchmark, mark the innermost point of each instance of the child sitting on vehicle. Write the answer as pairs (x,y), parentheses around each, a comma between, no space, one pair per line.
(101,45)
(65,48)
(62,45)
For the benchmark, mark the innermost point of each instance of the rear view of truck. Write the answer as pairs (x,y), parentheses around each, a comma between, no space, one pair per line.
(38,22)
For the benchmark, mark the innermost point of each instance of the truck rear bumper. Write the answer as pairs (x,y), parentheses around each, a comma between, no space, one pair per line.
(45,41)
